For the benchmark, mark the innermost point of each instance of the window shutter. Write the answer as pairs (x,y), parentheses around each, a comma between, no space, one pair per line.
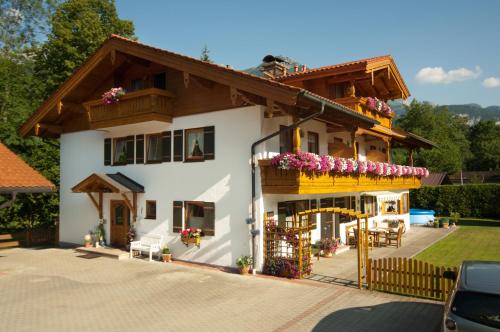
(107,151)
(177,217)
(209,212)
(139,149)
(166,146)
(209,143)
(130,149)
(178,138)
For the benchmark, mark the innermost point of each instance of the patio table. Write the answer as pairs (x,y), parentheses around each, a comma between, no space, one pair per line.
(376,234)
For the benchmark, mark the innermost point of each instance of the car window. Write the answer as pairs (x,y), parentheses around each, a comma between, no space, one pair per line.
(478,307)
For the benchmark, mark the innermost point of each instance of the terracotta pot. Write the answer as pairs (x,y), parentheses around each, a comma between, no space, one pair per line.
(88,245)
(327,253)
(244,269)
(446,225)
(167,258)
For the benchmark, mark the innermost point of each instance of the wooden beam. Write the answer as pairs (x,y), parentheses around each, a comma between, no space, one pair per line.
(134,206)
(100,205)
(359,244)
(94,201)
(112,56)
(127,202)
(201,82)
(185,76)
(353,142)
(59,107)
(50,127)
(296,140)
(233,93)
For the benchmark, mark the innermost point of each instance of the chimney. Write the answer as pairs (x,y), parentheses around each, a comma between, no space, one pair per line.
(273,67)
(304,68)
(295,68)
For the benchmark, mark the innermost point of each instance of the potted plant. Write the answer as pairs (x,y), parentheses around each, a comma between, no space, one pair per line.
(167,256)
(328,247)
(130,236)
(87,240)
(191,235)
(436,224)
(445,222)
(244,263)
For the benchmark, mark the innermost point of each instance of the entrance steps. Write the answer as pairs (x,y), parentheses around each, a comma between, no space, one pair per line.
(342,249)
(108,252)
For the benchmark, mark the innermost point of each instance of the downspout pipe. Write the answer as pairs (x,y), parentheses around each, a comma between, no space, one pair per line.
(294,125)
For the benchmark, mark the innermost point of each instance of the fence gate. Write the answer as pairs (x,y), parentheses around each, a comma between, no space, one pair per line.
(409,277)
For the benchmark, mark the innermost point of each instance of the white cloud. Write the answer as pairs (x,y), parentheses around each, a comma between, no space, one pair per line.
(491,82)
(437,75)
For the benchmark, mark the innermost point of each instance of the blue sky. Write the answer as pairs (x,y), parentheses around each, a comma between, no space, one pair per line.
(453,46)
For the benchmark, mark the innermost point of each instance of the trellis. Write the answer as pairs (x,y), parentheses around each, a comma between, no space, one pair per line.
(288,246)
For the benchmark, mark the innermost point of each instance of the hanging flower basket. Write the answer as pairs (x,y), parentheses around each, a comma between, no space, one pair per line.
(113,95)
(191,236)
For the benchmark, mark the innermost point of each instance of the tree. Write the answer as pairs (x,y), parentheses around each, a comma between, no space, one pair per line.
(21,21)
(484,139)
(446,130)
(78,27)
(29,74)
(205,54)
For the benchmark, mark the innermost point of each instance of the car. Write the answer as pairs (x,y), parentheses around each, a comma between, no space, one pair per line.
(474,302)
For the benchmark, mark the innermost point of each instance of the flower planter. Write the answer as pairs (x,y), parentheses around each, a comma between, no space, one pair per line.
(193,240)
(167,258)
(244,269)
(88,244)
(327,253)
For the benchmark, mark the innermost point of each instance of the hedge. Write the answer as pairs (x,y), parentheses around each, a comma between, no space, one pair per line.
(470,200)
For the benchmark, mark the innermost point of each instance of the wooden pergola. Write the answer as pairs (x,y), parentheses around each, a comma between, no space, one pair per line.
(362,246)
(110,183)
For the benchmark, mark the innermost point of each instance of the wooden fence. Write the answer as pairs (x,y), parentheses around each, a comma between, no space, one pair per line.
(28,238)
(408,277)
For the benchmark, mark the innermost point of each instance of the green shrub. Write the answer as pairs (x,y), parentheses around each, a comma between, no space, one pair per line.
(471,200)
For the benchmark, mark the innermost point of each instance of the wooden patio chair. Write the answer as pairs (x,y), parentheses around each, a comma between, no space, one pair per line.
(371,240)
(392,236)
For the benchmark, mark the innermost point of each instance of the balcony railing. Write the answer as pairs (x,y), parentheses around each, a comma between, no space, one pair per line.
(138,106)
(359,105)
(278,181)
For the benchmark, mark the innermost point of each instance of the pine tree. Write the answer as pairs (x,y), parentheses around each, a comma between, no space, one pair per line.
(205,54)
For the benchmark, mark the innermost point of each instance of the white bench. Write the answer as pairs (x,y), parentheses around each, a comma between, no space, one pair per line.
(148,243)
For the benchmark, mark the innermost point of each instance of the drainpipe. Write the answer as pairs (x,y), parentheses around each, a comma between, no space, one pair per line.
(254,231)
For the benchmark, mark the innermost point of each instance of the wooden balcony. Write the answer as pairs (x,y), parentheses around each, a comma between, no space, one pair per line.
(276,181)
(359,105)
(134,107)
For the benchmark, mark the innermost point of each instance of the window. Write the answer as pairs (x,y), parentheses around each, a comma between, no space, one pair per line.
(312,142)
(136,84)
(194,145)
(368,205)
(120,151)
(160,81)
(150,209)
(286,210)
(481,308)
(154,148)
(337,91)
(200,215)
(286,140)
(390,207)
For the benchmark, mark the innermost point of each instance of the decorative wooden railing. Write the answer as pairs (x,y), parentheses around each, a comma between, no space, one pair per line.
(277,181)
(359,105)
(409,277)
(138,106)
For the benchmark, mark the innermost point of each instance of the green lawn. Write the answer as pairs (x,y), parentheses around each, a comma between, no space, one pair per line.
(465,243)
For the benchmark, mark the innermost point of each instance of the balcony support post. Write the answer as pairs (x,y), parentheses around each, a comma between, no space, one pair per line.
(296,140)
(354,145)
(410,156)
(388,148)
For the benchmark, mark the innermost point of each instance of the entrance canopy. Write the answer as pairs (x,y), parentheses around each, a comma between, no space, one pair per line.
(110,183)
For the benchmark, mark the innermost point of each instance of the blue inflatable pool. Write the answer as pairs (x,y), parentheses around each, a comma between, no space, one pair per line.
(421,216)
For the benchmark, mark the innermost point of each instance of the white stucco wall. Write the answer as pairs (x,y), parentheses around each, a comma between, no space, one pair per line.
(225,181)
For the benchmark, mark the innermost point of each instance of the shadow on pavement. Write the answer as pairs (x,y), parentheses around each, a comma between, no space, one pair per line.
(392,316)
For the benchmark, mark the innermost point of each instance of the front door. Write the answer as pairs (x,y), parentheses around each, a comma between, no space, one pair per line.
(120,223)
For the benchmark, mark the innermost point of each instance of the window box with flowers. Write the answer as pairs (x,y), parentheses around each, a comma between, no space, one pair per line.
(191,236)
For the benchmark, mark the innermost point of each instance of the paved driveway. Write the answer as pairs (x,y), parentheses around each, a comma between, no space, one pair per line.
(58,290)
